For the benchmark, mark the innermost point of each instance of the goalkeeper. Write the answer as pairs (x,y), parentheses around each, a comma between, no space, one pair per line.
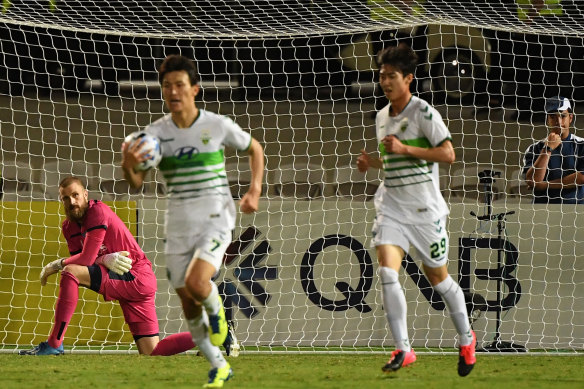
(409,207)
(105,258)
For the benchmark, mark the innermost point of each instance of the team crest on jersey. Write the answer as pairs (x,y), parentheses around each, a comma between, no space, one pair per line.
(205,136)
(403,125)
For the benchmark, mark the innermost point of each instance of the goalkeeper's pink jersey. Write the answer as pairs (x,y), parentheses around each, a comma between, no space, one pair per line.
(102,232)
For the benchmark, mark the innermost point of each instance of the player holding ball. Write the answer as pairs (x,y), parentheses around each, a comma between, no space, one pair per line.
(201,213)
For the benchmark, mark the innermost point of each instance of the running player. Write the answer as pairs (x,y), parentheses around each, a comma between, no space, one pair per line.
(410,209)
(201,213)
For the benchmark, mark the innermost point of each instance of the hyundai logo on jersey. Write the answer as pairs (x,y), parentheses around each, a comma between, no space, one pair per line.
(187,152)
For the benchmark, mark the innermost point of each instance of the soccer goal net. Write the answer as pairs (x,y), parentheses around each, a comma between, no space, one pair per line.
(76,77)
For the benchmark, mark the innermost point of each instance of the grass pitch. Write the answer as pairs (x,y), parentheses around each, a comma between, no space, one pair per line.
(288,371)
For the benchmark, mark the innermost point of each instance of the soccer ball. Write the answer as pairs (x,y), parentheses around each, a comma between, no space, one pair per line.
(148,142)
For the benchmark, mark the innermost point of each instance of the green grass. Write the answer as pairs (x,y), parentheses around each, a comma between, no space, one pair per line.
(288,371)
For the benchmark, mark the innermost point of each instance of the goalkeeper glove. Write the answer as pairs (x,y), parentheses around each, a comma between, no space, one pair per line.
(118,262)
(51,268)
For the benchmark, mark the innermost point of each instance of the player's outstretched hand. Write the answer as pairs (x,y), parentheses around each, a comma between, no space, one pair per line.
(363,161)
(51,268)
(119,262)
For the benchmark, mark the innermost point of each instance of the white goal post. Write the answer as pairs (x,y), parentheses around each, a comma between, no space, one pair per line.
(77,76)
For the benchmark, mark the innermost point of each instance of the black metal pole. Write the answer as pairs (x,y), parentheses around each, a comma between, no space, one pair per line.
(499,307)
(487,178)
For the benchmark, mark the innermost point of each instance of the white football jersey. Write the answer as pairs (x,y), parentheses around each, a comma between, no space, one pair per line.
(410,191)
(193,161)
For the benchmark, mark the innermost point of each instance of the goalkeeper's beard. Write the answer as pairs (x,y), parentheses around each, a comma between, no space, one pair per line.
(76,213)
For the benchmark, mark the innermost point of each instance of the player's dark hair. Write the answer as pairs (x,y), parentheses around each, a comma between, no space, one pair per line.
(401,57)
(176,62)
(65,182)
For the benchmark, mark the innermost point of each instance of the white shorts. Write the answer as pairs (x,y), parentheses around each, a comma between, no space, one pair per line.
(209,246)
(430,240)
(200,228)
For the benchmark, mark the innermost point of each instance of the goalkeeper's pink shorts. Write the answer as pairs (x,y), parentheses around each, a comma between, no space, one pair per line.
(135,291)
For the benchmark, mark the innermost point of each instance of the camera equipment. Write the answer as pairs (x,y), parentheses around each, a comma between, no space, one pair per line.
(487,178)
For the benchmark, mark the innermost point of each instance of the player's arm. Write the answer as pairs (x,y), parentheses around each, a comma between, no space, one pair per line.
(92,243)
(118,262)
(365,161)
(86,254)
(250,201)
(131,156)
(444,152)
(435,131)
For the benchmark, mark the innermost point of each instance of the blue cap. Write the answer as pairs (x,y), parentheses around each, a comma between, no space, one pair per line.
(557,104)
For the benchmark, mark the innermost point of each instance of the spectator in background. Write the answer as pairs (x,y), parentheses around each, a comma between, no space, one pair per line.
(554,166)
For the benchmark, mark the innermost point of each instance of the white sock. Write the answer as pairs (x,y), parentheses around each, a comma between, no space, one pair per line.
(198,327)
(211,303)
(454,299)
(394,303)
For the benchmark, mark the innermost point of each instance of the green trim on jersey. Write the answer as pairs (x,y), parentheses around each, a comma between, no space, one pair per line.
(200,189)
(416,161)
(421,164)
(416,142)
(390,110)
(249,145)
(408,184)
(406,163)
(439,144)
(399,159)
(410,175)
(410,190)
(193,162)
(201,159)
(196,181)
(192,124)
(194,173)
